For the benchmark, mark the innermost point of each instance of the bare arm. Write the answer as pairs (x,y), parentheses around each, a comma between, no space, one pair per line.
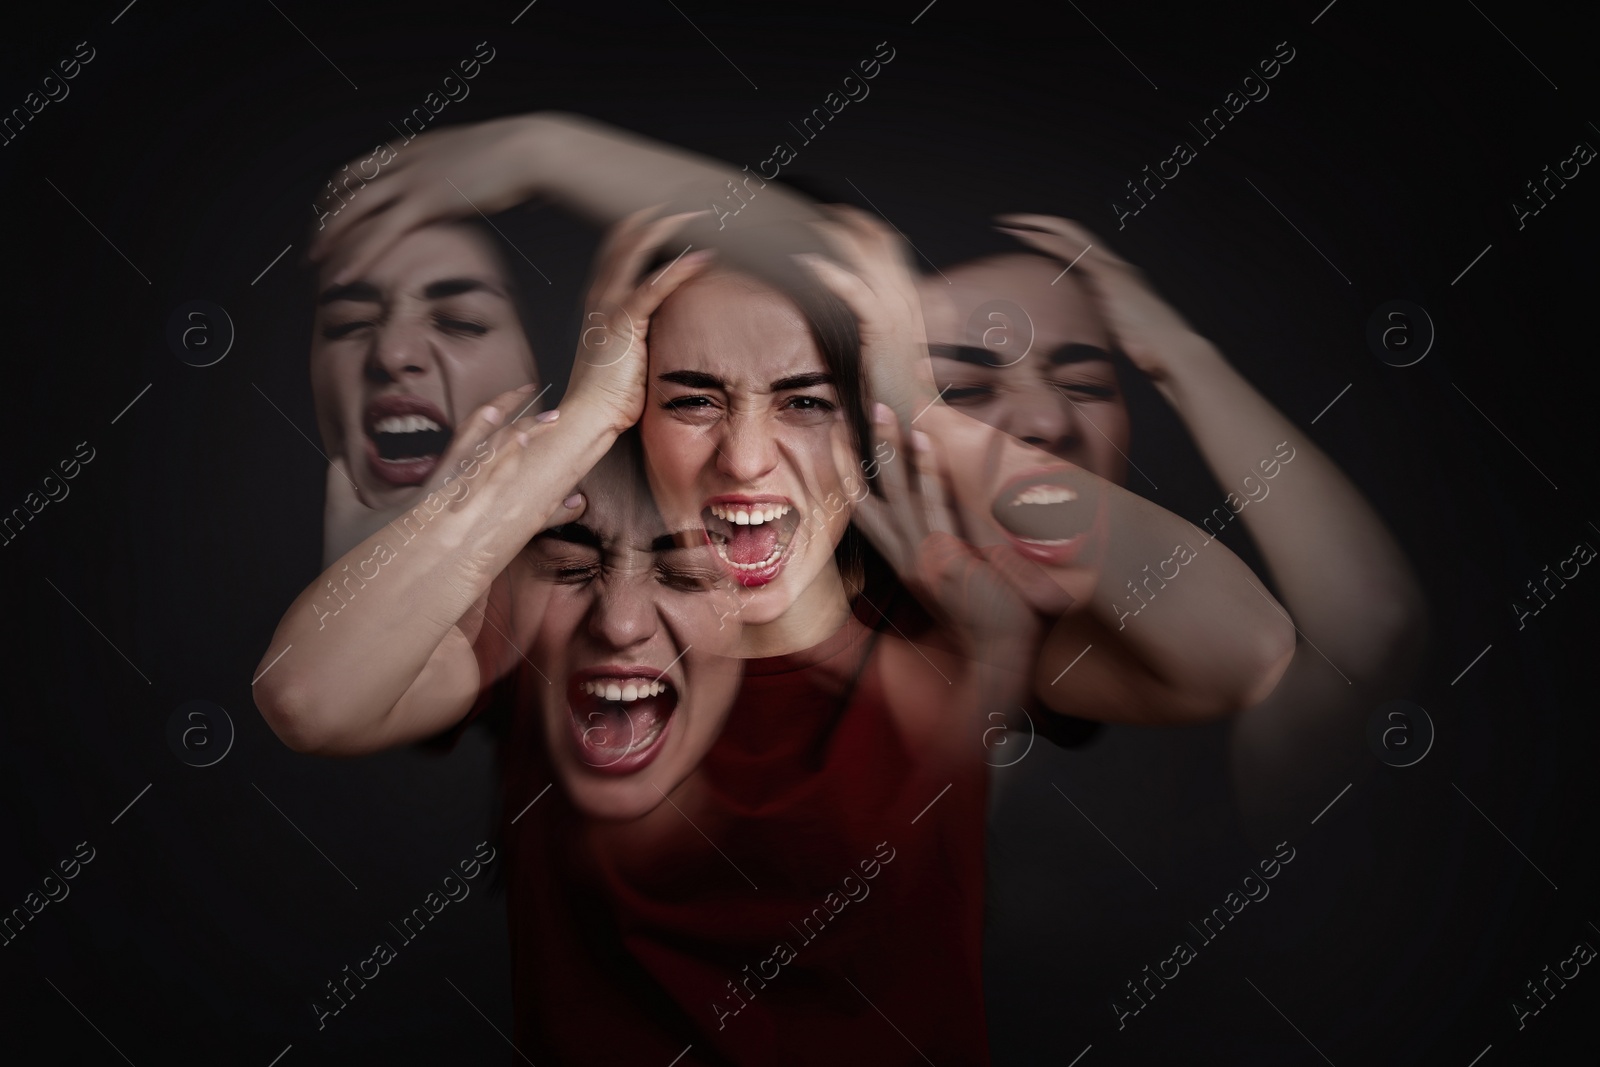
(1208,642)
(380,647)
(598,172)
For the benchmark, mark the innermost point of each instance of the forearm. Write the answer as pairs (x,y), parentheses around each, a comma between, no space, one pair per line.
(1343,578)
(384,623)
(604,174)
(1187,609)
(1188,618)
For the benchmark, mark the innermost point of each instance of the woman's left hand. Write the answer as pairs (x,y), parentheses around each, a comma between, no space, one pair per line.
(1148,330)
(912,523)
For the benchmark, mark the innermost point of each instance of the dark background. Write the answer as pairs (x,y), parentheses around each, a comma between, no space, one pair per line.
(195,142)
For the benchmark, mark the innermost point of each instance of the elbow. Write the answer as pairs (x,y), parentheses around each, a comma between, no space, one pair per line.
(301,722)
(1273,652)
(289,712)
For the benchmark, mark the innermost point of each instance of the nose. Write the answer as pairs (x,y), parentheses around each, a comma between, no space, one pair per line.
(1044,418)
(399,350)
(746,449)
(622,615)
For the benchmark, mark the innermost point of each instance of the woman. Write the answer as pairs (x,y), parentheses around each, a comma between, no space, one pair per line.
(418,319)
(1026,345)
(841,734)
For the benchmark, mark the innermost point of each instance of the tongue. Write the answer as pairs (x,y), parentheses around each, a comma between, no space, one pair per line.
(752,544)
(612,729)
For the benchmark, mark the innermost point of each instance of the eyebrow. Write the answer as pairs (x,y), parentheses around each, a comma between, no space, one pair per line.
(361,292)
(367,293)
(802,381)
(456,286)
(973,354)
(695,379)
(572,533)
(1076,353)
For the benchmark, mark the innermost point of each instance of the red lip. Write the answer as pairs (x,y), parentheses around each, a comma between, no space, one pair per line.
(400,472)
(754,579)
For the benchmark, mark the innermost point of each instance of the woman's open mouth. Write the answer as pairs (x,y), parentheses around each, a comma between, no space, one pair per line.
(406,435)
(1046,518)
(751,534)
(620,716)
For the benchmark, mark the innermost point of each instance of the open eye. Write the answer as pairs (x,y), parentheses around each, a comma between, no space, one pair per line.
(806,402)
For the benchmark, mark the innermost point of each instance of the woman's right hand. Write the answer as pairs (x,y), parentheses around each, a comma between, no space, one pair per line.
(608,373)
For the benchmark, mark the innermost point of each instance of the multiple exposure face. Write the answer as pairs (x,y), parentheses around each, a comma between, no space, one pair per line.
(634,636)
(740,428)
(401,356)
(1020,345)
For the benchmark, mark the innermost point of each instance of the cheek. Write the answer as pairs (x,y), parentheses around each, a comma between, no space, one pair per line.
(492,369)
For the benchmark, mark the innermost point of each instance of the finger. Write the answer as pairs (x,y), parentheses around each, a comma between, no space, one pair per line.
(366,244)
(629,247)
(650,295)
(937,515)
(1062,238)
(569,510)
(897,480)
(348,217)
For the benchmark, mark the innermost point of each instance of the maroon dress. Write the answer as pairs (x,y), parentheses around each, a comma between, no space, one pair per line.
(816,896)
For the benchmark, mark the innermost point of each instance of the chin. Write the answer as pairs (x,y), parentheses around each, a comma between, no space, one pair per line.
(616,801)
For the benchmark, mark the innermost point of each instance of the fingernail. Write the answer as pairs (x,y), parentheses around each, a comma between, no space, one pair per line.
(882,415)
(548,416)
(525,388)
(522,438)
(572,501)
(696,258)
(920,442)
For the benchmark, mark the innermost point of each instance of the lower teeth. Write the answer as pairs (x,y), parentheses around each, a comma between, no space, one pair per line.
(722,550)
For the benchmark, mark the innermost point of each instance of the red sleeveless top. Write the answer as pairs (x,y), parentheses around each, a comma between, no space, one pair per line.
(814,894)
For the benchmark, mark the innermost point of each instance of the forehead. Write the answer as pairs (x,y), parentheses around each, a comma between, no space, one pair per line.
(982,294)
(620,509)
(732,326)
(432,253)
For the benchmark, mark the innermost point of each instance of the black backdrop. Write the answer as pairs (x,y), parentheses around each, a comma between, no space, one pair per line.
(1385,160)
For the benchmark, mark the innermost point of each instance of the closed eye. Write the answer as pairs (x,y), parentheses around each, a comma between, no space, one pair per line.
(334,331)
(1087,390)
(461,326)
(957,395)
(685,579)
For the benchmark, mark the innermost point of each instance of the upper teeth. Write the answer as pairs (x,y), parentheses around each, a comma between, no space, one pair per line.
(1044,494)
(623,689)
(741,515)
(405,424)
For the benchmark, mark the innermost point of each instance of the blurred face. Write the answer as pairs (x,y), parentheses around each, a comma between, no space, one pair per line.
(399,357)
(1029,357)
(632,634)
(741,427)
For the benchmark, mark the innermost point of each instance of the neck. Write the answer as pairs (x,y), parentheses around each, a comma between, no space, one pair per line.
(815,616)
